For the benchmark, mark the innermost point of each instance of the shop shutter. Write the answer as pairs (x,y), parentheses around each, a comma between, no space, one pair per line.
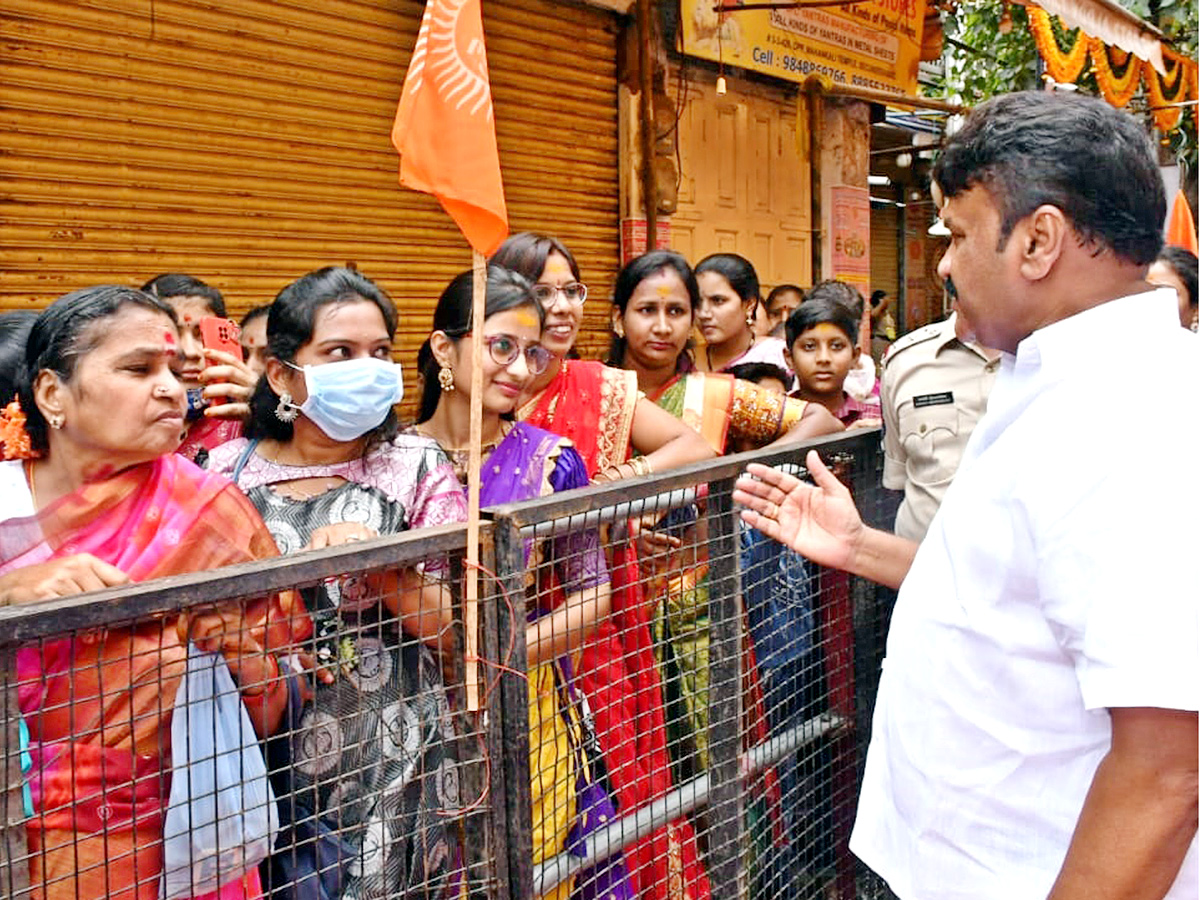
(248,142)
(885,260)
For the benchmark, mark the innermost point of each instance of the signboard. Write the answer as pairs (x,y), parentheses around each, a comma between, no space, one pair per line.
(633,237)
(916,300)
(874,44)
(850,221)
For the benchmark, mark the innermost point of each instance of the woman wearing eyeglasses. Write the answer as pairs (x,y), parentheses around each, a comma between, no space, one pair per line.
(597,407)
(569,575)
(603,413)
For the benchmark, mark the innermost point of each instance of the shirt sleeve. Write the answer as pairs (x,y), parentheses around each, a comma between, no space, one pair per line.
(895,470)
(1116,547)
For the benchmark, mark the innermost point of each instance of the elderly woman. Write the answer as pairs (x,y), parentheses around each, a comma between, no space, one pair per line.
(103,500)
(323,463)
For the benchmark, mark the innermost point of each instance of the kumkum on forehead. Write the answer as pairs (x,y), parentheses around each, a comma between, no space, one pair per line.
(526,318)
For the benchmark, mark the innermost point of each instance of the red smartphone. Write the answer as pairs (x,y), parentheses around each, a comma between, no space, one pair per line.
(220,334)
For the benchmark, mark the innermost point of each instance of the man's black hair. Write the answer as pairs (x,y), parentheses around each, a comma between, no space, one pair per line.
(1093,162)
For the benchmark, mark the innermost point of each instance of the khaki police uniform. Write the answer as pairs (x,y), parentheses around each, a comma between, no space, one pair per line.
(934,390)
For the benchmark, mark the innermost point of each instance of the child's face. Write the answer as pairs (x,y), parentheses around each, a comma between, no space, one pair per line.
(822,357)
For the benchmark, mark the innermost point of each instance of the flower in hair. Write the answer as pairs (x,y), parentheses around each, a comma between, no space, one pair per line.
(13,435)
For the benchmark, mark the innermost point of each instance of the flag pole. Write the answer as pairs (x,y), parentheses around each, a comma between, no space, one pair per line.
(474,463)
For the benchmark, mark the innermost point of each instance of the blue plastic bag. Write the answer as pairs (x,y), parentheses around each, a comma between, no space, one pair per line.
(221,818)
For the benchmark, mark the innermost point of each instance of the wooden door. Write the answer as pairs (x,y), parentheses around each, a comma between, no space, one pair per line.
(744,177)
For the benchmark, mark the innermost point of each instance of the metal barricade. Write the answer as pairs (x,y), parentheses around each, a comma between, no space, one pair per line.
(671,706)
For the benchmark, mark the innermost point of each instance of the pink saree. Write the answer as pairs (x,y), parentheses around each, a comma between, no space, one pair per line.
(98,705)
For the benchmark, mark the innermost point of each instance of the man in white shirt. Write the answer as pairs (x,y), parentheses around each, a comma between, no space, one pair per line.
(1035,733)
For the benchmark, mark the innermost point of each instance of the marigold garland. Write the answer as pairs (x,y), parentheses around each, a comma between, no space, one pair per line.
(1117,72)
(1063,66)
(1117,87)
(1163,91)
(13,435)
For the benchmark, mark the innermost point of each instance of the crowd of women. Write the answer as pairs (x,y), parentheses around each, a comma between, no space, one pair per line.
(133,451)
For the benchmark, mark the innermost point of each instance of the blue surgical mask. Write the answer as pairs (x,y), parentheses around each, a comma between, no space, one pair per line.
(348,398)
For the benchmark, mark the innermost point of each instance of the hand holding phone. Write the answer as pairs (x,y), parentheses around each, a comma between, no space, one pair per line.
(220,334)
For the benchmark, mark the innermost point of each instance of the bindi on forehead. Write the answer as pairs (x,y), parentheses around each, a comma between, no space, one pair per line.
(170,342)
(526,318)
(556,267)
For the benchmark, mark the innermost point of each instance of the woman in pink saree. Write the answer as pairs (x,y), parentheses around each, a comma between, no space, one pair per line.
(105,502)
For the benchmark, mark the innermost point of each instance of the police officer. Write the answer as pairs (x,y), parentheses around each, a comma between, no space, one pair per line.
(935,386)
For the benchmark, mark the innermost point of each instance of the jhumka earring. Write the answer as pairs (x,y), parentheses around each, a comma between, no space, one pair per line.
(286,410)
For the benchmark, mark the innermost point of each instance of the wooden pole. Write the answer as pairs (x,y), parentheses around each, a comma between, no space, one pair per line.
(645,30)
(474,463)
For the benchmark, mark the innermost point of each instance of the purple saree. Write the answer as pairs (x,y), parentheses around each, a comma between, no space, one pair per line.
(569,800)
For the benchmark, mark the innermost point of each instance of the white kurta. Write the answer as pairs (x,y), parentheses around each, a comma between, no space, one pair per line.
(1057,580)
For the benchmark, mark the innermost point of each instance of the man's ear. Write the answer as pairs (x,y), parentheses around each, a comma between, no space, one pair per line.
(1042,237)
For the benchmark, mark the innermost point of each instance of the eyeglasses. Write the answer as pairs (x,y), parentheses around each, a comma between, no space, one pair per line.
(505,349)
(575,291)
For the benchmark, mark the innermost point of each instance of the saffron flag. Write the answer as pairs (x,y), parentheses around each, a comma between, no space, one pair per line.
(1181,228)
(444,129)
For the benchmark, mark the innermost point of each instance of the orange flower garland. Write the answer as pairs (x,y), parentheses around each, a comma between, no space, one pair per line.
(1064,67)
(1163,91)
(1181,83)
(1118,89)
(13,435)
(1117,72)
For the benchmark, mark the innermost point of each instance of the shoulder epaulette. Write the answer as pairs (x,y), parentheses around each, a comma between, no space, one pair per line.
(919,336)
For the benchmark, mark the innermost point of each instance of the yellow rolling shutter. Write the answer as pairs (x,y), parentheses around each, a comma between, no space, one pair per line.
(885,257)
(248,142)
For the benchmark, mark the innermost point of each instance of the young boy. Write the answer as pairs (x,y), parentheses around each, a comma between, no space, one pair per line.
(822,336)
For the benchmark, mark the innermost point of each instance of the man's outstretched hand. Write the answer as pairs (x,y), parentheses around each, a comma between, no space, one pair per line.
(819,521)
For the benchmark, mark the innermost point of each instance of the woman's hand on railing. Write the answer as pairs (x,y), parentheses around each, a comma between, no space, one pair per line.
(337,534)
(59,578)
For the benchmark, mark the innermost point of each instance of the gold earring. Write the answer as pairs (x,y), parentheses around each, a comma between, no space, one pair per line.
(446,378)
(56,422)
(619,328)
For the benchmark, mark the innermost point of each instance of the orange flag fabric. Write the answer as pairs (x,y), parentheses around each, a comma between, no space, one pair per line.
(1181,228)
(444,129)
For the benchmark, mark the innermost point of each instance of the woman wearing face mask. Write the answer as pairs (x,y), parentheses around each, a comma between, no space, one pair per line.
(218,384)
(324,465)
(601,411)
(728,300)
(569,583)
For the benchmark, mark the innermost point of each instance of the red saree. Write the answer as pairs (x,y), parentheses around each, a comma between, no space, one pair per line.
(98,705)
(593,405)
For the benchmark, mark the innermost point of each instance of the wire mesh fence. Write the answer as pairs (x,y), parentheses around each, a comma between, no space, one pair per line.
(670,706)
